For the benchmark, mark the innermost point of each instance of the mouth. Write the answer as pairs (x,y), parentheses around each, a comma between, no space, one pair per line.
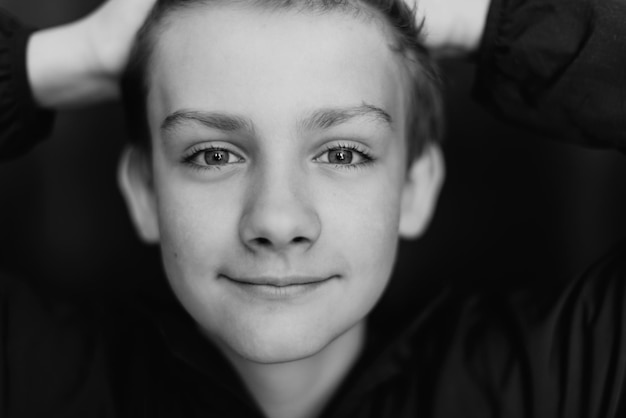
(283,287)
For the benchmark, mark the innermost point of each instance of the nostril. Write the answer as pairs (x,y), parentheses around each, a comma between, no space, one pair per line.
(298,240)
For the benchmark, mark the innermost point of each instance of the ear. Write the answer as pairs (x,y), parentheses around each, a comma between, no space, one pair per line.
(134,177)
(421,189)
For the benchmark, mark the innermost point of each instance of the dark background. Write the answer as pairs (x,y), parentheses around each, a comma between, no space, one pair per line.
(516,209)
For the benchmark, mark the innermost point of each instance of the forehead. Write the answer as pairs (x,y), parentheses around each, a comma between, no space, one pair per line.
(273,65)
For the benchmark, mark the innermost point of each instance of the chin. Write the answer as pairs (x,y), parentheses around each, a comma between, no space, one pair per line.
(277,353)
(271,345)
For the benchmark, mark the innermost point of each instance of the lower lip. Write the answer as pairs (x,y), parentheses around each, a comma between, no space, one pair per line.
(270,292)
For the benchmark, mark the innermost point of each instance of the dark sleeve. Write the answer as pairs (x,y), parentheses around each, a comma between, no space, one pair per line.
(52,357)
(547,353)
(557,67)
(22,122)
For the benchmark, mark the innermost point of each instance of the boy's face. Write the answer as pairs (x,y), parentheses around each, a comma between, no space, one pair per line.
(279,173)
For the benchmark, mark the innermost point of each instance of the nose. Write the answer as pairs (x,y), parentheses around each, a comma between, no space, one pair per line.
(279,214)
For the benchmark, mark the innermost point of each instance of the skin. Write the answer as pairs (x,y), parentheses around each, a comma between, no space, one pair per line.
(454,27)
(79,63)
(244,235)
(281,190)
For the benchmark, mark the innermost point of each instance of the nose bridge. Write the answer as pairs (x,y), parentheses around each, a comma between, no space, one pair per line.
(279,212)
(279,188)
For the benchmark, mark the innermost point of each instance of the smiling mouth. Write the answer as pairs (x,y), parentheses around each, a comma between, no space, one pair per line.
(278,287)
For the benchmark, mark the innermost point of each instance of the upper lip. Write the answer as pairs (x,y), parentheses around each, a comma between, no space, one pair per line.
(278,281)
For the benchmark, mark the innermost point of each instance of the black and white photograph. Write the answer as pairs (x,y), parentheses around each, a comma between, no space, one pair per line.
(312,208)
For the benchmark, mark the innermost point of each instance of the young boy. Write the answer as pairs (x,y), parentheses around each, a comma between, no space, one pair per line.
(281,163)
(289,146)
(284,147)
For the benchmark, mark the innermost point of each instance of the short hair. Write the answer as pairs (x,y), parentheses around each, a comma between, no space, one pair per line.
(425,121)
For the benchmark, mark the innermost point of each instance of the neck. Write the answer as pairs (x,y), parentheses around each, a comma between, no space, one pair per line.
(301,388)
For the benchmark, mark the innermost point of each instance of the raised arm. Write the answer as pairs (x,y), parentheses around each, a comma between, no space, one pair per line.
(70,65)
(78,63)
(554,66)
(453,27)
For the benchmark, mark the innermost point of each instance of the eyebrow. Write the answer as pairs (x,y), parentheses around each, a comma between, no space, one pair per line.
(220,121)
(319,119)
(330,117)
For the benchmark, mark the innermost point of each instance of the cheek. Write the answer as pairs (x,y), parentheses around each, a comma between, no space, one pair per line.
(362,219)
(197,224)
(373,229)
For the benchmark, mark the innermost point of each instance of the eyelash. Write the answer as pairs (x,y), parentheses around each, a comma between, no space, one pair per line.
(367,157)
(195,151)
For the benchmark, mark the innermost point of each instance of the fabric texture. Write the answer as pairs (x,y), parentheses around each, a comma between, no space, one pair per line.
(557,67)
(22,123)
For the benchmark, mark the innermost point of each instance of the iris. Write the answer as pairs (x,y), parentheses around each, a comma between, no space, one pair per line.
(340,157)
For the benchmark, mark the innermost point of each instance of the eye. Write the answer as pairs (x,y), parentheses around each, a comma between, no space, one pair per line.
(212,157)
(346,155)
